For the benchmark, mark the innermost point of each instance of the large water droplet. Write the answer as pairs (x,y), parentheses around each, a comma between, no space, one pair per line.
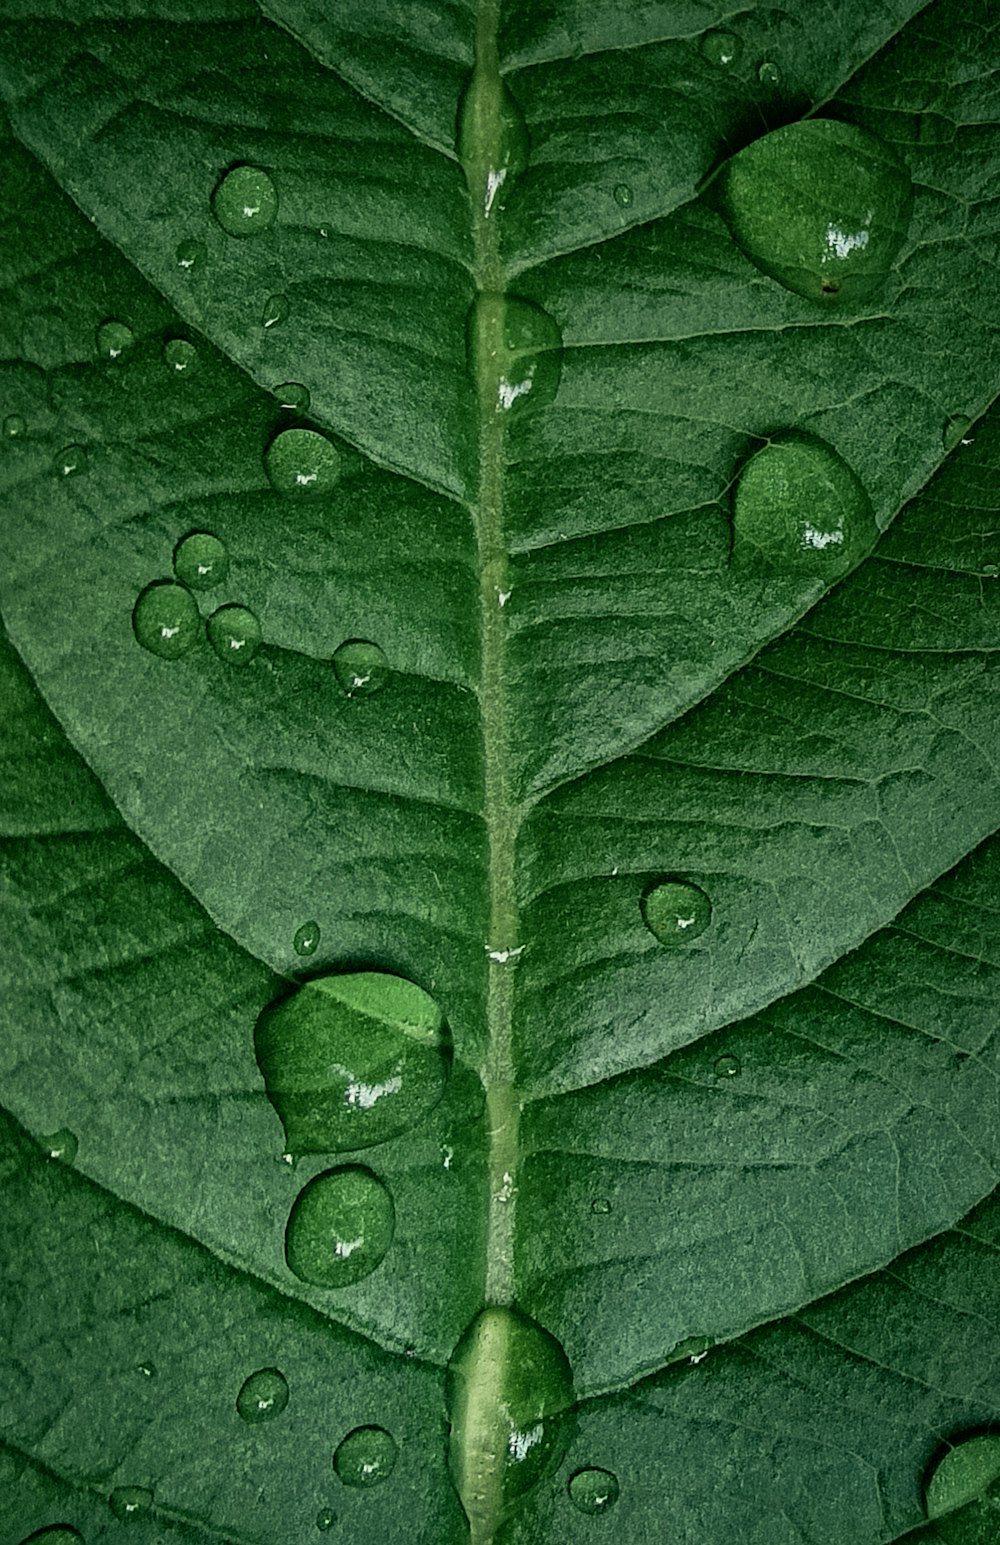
(955,431)
(509,1390)
(351,1060)
(593,1490)
(493,142)
(14,426)
(366,1457)
(114,339)
(302,461)
(797,505)
(72,461)
(201,561)
(166,620)
(276,309)
(962,1473)
(180,356)
(245,201)
(292,394)
(306,939)
(61,1145)
(190,255)
(54,1534)
(514,352)
(360,667)
(262,1396)
(340,1227)
(721,48)
(675,911)
(130,1502)
(234,633)
(821,206)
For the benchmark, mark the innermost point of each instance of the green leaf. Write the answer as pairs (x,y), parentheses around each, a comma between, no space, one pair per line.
(501,809)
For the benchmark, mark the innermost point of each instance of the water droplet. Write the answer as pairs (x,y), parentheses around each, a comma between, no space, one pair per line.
(262,1396)
(769,74)
(148,1370)
(114,339)
(727,1067)
(675,911)
(130,1502)
(493,142)
(306,939)
(514,351)
(601,1205)
(962,1473)
(292,394)
(593,1490)
(623,195)
(797,505)
(325,1518)
(54,1534)
(721,47)
(340,1227)
(190,255)
(351,1060)
(302,461)
(60,1145)
(166,620)
(991,570)
(72,461)
(201,560)
(366,1457)
(234,633)
(820,206)
(180,356)
(360,667)
(955,431)
(276,309)
(245,201)
(14,426)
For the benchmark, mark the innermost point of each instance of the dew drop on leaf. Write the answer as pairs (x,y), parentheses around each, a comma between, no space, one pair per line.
(234,633)
(340,1227)
(306,939)
(601,1205)
(165,619)
(366,1457)
(130,1502)
(180,356)
(360,667)
(351,1060)
(245,201)
(262,1396)
(955,431)
(797,505)
(276,309)
(302,461)
(675,911)
(14,426)
(727,1067)
(623,195)
(201,561)
(769,74)
(962,1473)
(190,255)
(60,1145)
(325,1518)
(72,461)
(54,1534)
(148,1370)
(114,339)
(292,394)
(593,1490)
(514,351)
(721,47)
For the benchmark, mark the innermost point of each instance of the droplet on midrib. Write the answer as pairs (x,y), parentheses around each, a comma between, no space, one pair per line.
(514,352)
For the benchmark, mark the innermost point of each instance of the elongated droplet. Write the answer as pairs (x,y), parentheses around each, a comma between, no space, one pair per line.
(14,426)
(234,633)
(514,352)
(593,1490)
(292,394)
(340,1227)
(180,356)
(349,1061)
(493,141)
(262,1396)
(61,1145)
(54,1534)
(797,505)
(276,310)
(675,911)
(72,461)
(366,1457)
(130,1502)
(722,48)
(302,461)
(114,339)
(165,619)
(201,561)
(823,207)
(245,201)
(509,1391)
(360,667)
(190,255)
(306,939)
(955,431)
(962,1473)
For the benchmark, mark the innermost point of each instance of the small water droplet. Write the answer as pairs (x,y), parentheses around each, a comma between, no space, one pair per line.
(306,939)
(340,1227)
(114,339)
(292,394)
(797,505)
(60,1145)
(180,356)
(727,1066)
(190,255)
(493,143)
(262,1396)
(201,561)
(245,201)
(165,619)
(54,1534)
(601,1205)
(962,1473)
(325,1518)
(276,309)
(14,426)
(148,1370)
(130,1502)
(302,461)
(514,352)
(366,1457)
(351,1060)
(623,195)
(72,461)
(234,633)
(956,431)
(593,1490)
(991,570)
(360,667)
(769,74)
(722,48)
(675,911)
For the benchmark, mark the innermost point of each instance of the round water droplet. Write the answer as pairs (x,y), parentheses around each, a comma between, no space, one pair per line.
(340,1227)
(292,394)
(351,1060)
(14,426)
(955,431)
(263,1396)
(593,1490)
(54,1534)
(276,309)
(190,255)
(722,48)
(820,206)
(325,1518)
(180,356)
(514,351)
(60,1145)
(165,619)
(623,195)
(360,667)
(306,939)
(991,570)
(148,1370)
(302,461)
(72,461)
(114,339)
(130,1502)
(201,560)
(601,1205)
(493,143)
(770,75)
(509,1390)
(727,1067)
(675,911)
(798,506)
(245,201)
(234,633)
(366,1457)
(962,1473)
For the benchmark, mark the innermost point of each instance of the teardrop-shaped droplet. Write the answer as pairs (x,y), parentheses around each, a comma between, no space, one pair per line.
(245,201)
(276,309)
(366,1457)
(262,1396)
(727,1067)
(821,206)
(962,1473)
(360,667)
(493,142)
(54,1534)
(201,561)
(292,394)
(180,356)
(130,1502)
(514,352)
(722,48)
(956,430)
(306,939)
(798,506)
(72,461)
(509,1391)
(340,1227)
(61,1145)
(302,461)
(165,619)
(14,426)
(234,633)
(675,911)
(190,254)
(351,1060)
(593,1490)
(114,339)
(770,75)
